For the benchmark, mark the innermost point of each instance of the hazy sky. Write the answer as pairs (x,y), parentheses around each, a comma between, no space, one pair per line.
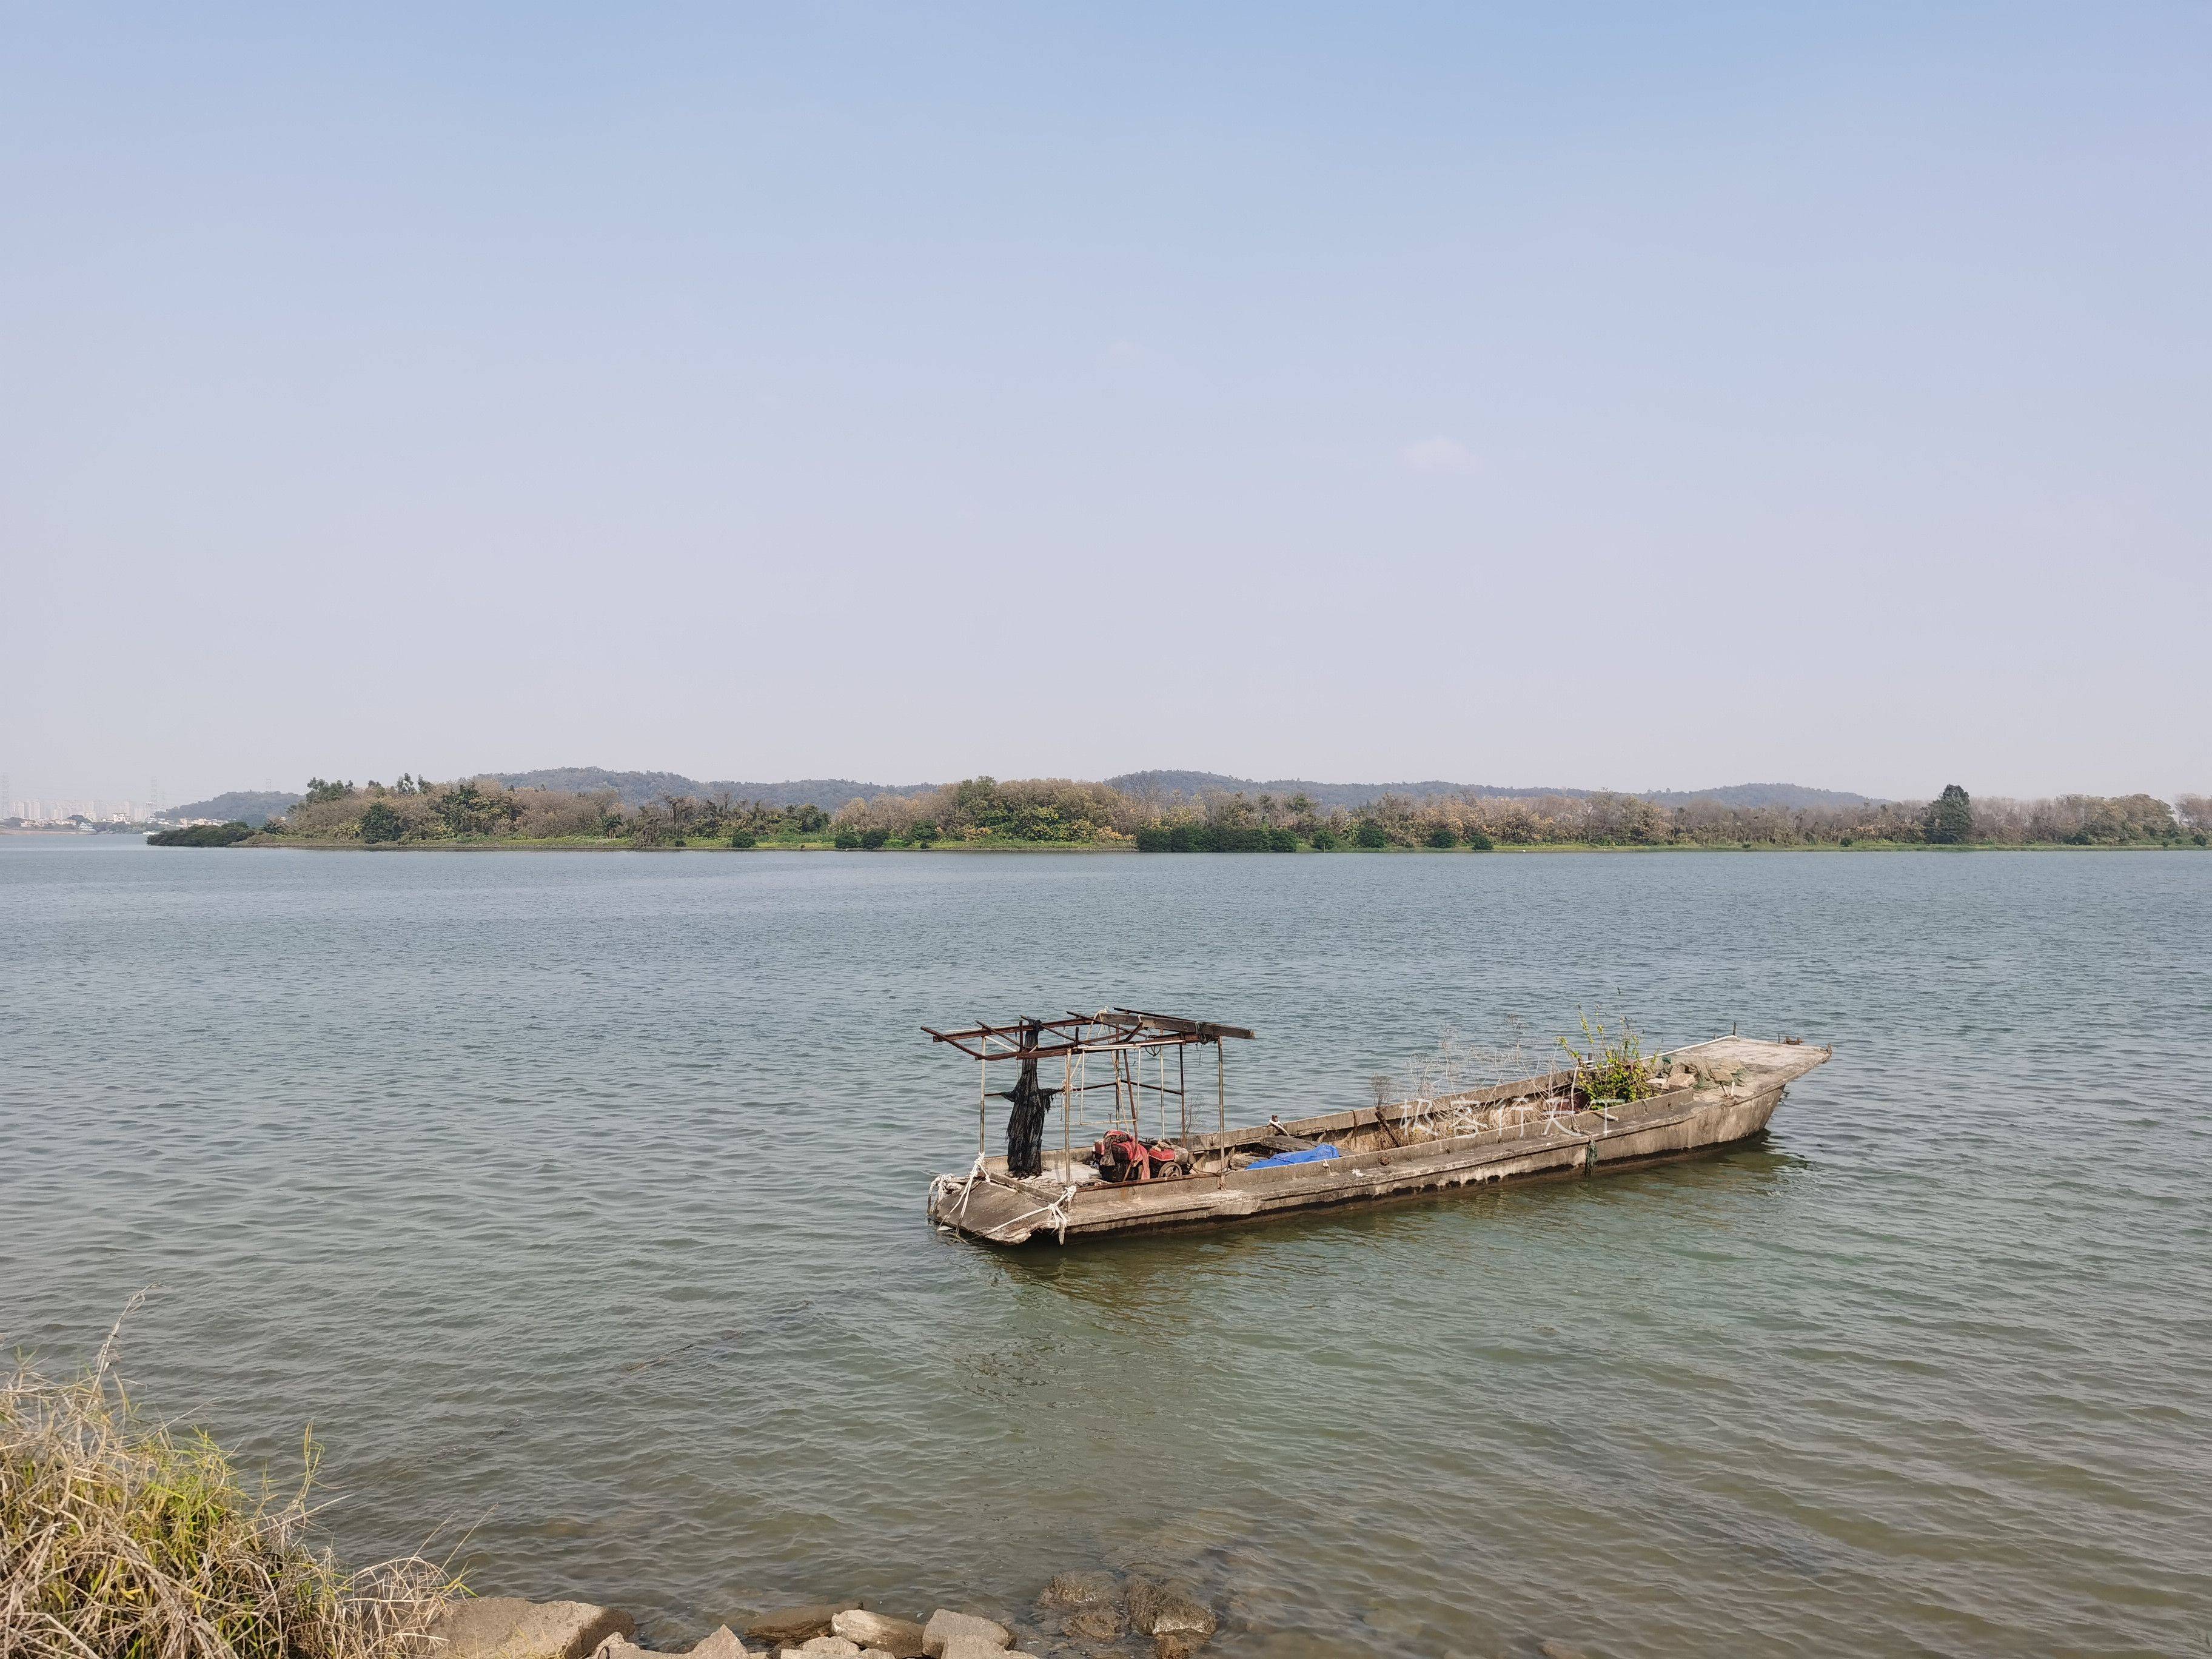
(1644,396)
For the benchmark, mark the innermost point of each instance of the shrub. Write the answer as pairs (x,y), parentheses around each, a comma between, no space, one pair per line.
(741,837)
(846,839)
(874,840)
(123,1539)
(1371,834)
(380,822)
(1444,836)
(203,835)
(1282,840)
(1326,840)
(1480,842)
(922,833)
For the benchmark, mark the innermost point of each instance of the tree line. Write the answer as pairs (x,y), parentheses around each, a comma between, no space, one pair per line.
(1062,811)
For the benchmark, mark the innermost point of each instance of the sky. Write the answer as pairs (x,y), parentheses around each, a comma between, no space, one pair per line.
(1604,396)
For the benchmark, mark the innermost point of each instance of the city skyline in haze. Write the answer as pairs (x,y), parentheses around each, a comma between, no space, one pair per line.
(1608,398)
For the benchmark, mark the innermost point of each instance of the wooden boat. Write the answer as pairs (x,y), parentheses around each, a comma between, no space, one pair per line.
(1556,1123)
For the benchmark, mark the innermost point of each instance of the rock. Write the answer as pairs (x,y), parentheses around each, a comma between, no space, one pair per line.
(1179,1614)
(946,1626)
(831,1647)
(963,1646)
(509,1627)
(786,1627)
(1177,1622)
(1081,1589)
(1096,1624)
(722,1644)
(899,1637)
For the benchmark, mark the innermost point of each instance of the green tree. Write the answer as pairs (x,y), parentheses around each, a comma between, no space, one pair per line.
(1371,834)
(380,822)
(1444,836)
(1950,819)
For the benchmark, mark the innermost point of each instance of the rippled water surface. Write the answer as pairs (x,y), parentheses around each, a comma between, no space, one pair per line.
(577,1199)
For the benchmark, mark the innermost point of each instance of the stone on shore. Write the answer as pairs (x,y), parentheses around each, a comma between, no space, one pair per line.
(899,1637)
(1081,1589)
(722,1644)
(786,1627)
(1177,1622)
(509,1627)
(1096,1624)
(831,1647)
(946,1627)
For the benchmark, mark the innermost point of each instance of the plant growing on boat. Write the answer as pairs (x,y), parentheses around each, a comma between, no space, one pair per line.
(1614,1067)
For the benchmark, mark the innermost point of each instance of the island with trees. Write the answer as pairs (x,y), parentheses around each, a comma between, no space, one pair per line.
(984,813)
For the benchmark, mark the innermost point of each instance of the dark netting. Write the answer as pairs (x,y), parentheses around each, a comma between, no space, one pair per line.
(1025,1123)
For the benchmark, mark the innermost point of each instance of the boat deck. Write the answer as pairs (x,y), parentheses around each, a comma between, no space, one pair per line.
(1720,1091)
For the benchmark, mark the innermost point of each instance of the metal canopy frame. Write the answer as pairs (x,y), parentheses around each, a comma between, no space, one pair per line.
(1124,1036)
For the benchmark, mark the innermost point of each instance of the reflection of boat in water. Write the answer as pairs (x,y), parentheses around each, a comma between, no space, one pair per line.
(1688,1099)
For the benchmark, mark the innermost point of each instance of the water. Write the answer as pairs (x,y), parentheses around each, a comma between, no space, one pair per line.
(577,1198)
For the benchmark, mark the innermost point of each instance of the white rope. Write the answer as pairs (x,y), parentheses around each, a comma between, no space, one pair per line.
(1055,1214)
(945,1183)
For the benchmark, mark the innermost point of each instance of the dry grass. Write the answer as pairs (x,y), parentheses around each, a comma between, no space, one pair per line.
(120,1539)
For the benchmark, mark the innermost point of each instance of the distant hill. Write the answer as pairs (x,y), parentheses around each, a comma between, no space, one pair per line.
(1784,795)
(253,806)
(643,788)
(1190,786)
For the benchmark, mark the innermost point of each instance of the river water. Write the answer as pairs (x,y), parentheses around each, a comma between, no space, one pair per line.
(576,1200)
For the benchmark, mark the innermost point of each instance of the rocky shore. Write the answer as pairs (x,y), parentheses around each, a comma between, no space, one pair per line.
(1085,1615)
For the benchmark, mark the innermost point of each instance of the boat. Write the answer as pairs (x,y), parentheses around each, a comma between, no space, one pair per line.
(1583,1120)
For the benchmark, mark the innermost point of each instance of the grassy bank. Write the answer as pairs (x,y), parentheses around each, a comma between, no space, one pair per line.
(119,1537)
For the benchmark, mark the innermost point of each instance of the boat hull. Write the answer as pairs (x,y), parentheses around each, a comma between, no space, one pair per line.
(1372,1167)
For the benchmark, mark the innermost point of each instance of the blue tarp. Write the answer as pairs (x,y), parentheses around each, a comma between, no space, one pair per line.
(1314,1155)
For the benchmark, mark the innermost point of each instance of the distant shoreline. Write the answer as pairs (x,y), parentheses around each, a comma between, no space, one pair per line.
(512,844)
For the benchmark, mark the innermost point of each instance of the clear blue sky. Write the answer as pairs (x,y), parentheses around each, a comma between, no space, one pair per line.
(1638,396)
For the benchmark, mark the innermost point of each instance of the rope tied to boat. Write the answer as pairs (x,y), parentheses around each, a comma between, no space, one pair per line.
(945,1183)
(1056,1215)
